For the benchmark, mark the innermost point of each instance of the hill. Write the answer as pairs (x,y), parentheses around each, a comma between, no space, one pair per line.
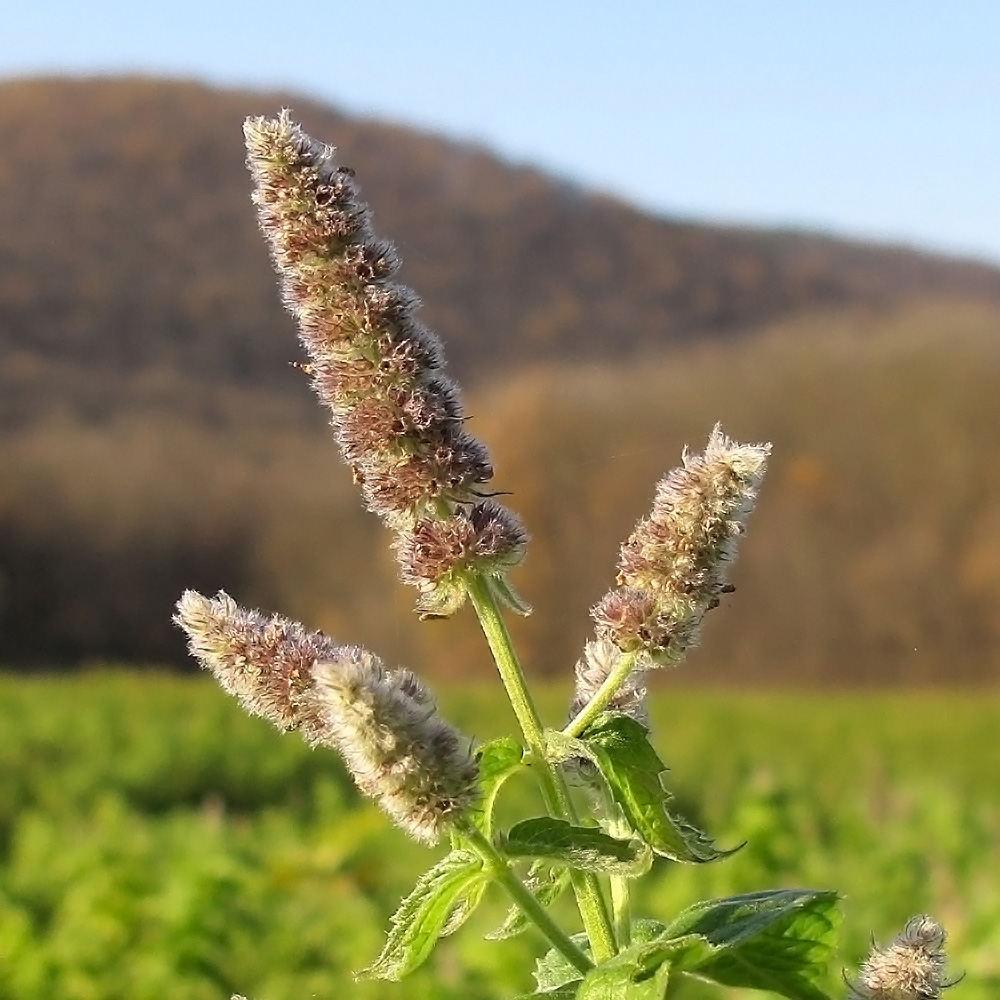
(130,265)
(153,435)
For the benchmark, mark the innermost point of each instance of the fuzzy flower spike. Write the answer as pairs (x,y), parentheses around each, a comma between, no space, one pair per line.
(398,419)
(672,570)
(910,967)
(385,724)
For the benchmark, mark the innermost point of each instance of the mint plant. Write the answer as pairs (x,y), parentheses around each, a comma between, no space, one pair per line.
(608,816)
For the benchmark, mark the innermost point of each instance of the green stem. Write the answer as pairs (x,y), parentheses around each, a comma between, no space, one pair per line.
(603,696)
(589,897)
(527,903)
(621,904)
(495,630)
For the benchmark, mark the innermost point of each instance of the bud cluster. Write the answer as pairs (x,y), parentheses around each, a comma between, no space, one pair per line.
(398,418)
(436,552)
(384,722)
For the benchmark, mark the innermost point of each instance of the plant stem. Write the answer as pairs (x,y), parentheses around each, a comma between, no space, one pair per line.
(604,694)
(507,663)
(530,906)
(589,897)
(621,905)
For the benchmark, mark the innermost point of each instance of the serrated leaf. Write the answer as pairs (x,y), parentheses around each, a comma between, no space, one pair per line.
(546,884)
(497,761)
(781,940)
(553,970)
(422,916)
(583,847)
(464,907)
(620,748)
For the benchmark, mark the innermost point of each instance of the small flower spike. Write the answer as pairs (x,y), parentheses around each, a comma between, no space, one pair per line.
(672,568)
(384,722)
(671,571)
(911,967)
(398,419)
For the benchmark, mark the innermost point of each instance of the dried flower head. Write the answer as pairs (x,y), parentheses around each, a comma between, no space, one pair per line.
(911,967)
(398,418)
(673,566)
(399,750)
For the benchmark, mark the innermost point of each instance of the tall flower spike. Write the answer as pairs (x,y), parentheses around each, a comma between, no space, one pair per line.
(672,568)
(911,967)
(384,723)
(399,750)
(398,418)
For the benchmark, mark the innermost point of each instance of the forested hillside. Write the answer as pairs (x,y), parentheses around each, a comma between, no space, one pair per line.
(153,434)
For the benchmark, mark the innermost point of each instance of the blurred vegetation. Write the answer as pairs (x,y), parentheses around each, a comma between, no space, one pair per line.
(874,556)
(153,435)
(155,841)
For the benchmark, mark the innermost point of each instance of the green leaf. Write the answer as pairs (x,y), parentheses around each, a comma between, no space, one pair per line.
(424,914)
(583,847)
(567,992)
(465,906)
(546,884)
(781,940)
(553,970)
(637,973)
(497,760)
(620,748)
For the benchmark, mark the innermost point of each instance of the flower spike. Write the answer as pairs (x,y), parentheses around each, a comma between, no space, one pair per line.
(385,724)
(673,566)
(397,417)
(671,572)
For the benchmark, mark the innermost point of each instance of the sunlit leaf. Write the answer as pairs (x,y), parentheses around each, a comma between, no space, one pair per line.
(423,916)
(582,847)
(620,749)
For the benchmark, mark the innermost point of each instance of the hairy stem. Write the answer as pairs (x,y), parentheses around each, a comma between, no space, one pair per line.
(527,903)
(604,694)
(589,897)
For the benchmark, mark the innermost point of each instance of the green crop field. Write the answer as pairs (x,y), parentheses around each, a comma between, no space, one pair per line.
(158,845)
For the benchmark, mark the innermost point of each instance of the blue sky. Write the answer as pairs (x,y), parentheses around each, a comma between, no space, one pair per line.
(877,119)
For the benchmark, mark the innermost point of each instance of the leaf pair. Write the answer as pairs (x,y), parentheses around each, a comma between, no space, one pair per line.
(779,941)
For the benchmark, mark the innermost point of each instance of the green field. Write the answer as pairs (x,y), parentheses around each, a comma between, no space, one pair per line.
(159,845)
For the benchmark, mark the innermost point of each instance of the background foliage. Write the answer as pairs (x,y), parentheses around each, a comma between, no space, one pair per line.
(154,841)
(873,558)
